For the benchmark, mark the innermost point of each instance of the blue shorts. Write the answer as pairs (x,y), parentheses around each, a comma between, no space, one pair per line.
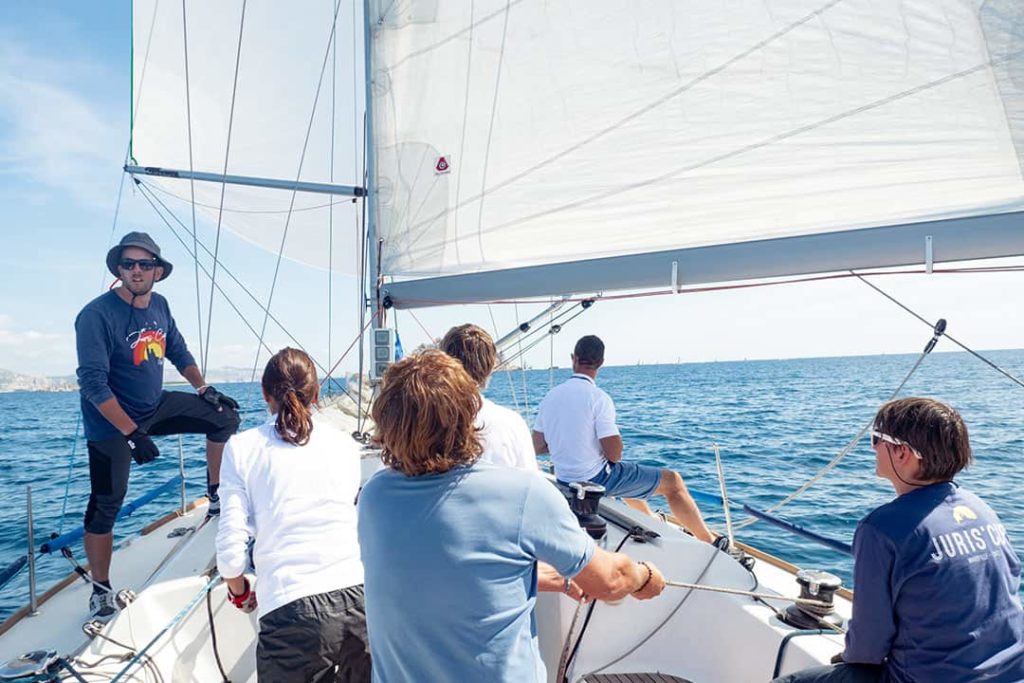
(628,480)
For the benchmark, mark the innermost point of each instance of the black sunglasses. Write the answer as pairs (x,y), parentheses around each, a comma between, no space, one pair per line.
(143,263)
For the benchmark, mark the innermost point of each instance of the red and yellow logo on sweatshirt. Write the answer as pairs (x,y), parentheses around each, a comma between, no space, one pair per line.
(148,345)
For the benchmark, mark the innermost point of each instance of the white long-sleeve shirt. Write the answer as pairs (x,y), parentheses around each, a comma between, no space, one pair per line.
(298,502)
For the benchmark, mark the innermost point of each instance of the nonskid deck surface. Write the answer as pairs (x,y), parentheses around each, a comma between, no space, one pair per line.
(58,625)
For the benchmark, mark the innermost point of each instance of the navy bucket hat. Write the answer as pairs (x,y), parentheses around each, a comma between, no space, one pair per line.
(142,241)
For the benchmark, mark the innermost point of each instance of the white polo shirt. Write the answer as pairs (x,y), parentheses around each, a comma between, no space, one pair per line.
(505,437)
(573,417)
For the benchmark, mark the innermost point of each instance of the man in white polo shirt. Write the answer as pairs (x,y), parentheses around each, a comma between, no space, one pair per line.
(576,425)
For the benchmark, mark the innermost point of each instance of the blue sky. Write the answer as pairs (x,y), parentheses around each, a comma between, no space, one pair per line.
(64,94)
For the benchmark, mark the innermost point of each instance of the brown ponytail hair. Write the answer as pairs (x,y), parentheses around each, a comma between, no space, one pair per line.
(290,379)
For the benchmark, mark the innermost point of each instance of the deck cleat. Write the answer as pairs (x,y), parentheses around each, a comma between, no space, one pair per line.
(93,627)
(30,665)
(124,597)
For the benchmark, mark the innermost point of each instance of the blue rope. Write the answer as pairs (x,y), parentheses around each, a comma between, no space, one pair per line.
(184,612)
(67,484)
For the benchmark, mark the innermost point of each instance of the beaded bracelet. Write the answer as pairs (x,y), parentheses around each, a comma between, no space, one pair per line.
(650,574)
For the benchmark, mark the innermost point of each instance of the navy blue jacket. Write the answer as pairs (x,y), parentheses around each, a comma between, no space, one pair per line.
(936,590)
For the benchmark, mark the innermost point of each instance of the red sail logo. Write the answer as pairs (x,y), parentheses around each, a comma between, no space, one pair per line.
(442,165)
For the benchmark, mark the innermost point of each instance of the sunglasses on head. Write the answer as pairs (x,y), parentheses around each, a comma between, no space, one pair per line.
(143,263)
(877,436)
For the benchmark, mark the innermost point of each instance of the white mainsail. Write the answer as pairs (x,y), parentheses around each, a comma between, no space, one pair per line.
(533,148)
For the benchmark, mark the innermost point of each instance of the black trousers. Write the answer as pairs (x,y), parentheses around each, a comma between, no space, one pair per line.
(319,638)
(110,460)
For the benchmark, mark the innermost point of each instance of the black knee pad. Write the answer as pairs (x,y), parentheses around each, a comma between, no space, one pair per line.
(228,422)
(100,514)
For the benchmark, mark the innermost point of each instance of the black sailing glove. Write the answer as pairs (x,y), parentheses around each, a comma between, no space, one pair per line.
(143,448)
(219,400)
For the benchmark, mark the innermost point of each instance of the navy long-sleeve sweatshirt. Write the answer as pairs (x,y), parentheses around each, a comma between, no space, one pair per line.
(121,353)
(936,591)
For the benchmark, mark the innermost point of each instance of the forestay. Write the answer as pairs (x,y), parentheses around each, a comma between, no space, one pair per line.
(530,147)
(288,112)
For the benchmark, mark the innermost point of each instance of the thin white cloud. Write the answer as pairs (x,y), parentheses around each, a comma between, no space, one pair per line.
(53,132)
(33,352)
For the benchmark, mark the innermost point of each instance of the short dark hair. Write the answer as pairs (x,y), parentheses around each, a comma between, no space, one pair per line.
(589,351)
(933,429)
(474,348)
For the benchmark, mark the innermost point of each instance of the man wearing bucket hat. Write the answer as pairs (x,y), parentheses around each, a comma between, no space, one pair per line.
(123,337)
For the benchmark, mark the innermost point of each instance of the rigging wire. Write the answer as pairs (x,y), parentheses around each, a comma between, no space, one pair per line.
(551,356)
(350,346)
(538,332)
(295,192)
(192,182)
(852,443)
(220,289)
(553,330)
(949,337)
(359,217)
(522,367)
(503,365)
(363,294)
(151,198)
(431,339)
(330,211)
(224,185)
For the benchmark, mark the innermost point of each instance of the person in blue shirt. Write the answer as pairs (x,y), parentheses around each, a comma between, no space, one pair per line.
(123,337)
(936,581)
(450,546)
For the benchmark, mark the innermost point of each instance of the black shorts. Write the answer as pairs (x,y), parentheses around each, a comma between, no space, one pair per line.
(318,638)
(110,459)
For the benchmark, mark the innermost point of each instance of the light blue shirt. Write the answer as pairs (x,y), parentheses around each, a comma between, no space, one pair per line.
(451,571)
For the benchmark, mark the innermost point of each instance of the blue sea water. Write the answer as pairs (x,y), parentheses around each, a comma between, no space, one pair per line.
(776,423)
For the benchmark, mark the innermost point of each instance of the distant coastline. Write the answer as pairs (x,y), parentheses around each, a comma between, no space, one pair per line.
(11,381)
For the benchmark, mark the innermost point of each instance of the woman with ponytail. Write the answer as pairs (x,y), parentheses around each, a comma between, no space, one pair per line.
(291,485)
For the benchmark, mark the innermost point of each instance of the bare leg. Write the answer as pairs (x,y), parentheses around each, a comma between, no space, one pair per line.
(638,504)
(98,549)
(682,505)
(214,453)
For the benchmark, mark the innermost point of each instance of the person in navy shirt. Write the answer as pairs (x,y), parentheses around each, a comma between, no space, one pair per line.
(123,337)
(936,581)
